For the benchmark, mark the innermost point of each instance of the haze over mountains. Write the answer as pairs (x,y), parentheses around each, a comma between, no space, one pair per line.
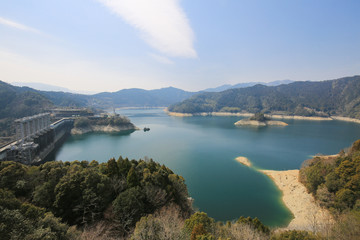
(244,85)
(48,87)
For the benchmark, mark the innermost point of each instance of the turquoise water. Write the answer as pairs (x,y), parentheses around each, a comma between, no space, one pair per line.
(203,149)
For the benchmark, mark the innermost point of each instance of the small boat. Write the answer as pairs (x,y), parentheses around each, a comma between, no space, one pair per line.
(146,129)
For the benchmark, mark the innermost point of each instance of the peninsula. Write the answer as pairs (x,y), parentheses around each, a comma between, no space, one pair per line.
(112,124)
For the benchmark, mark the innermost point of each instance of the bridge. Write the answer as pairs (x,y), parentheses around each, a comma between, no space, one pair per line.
(36,138)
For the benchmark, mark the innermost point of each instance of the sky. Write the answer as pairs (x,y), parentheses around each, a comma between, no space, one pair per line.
(108,45)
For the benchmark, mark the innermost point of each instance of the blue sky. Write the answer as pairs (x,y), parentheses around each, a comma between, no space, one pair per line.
(107,45)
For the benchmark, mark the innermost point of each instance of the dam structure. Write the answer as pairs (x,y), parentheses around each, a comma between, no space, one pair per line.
(36,138)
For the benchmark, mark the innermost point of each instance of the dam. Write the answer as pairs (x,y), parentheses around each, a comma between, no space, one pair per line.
(36,138)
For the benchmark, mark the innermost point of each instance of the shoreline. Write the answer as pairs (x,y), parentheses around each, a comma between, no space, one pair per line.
(274,116)
(308,215)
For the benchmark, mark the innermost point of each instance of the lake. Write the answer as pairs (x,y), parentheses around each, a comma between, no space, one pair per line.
(203,151)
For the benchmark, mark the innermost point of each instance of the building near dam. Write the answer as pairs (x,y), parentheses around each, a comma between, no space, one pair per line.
(36,138)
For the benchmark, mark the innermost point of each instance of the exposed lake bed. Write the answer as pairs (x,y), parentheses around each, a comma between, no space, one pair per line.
(203,149)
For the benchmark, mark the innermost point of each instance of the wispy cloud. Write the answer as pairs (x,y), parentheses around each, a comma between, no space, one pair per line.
(16,25)
(162,23)
(161,59)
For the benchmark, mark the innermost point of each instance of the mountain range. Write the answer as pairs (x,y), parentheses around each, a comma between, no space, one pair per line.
(333,97)
(134,97)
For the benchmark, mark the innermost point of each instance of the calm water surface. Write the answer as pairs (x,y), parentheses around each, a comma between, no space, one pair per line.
(203,149)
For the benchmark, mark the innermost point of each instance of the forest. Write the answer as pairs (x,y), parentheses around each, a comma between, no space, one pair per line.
(119,199)
(130,199)
(334,181)
(339,97)
(39,201)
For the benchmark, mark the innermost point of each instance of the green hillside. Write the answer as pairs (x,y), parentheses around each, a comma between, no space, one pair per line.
(333,97)
(335,181)
(16,102)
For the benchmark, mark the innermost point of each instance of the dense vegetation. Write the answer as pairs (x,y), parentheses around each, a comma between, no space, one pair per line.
(335,97)
(84,122)
(123,199)
(81,194)
(113,200)
(259,117)
(16,102)
(335,181)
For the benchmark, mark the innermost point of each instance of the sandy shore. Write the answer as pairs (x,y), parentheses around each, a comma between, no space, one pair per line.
(346,119)
(219,114)
(245,122)
(176,114)
(244,161)
(274,116)
(308,215)
(300,118)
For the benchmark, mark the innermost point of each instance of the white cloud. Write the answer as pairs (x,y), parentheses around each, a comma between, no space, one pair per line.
(162,23)
(161,59)
(16,25)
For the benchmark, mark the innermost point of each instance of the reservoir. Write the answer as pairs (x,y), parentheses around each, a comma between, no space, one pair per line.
(203,151)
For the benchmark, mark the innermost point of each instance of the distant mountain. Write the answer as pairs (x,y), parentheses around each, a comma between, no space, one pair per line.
(124,98)
(277,83)
(141,98)
(244,85)
(333,97)
(41,86)
(48,87)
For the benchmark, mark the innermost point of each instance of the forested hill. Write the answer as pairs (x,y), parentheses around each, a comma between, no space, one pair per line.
(139,97)
(124,98)
(333,97)
(18,101)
